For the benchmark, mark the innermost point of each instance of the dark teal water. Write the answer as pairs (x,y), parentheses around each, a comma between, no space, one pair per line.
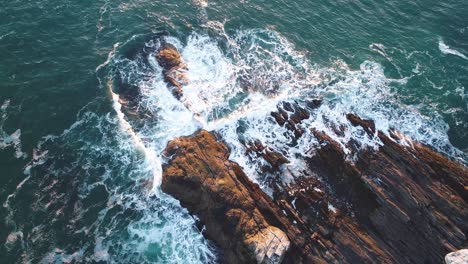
(70,180)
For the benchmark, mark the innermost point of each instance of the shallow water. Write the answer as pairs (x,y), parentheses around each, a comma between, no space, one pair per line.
(79,181)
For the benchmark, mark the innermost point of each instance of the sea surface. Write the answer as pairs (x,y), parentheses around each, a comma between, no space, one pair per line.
(79,181)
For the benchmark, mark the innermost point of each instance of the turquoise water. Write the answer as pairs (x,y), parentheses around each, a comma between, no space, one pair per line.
(73,184)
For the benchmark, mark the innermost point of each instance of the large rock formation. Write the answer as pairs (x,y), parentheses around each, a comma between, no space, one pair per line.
(220,194)
(397,204)
(409,199)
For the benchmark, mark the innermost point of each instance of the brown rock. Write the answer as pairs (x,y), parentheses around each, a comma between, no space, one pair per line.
(211,187)
(243,220)
(411,198)
(275,159)
(398,204)
(174,69)
(291,115)
(367,125)
(168,57)
(280,119)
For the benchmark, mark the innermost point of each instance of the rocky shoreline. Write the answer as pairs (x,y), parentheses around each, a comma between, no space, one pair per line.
(416,213)
(400,203)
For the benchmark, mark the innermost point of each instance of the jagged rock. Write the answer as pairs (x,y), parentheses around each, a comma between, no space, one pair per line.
(168,57)
(292,114)
(238,215)
(411,198)
(367,125)
(313,104)
(213,188)
(129,97)
(174,69)
(457,257)
(401,203)
(275,159)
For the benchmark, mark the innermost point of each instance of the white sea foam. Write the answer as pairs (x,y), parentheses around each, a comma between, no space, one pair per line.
(59,256)
(211,76)
(151,156)
(132,224)
(233,91)
(264,68)
(445,49)
(7,34)
(13,139)
(201,3)
(332,208)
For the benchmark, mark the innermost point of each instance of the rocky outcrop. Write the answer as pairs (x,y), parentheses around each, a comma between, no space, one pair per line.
(174,69)
(129,95)
(410,200)
(221,195)
(398,204)
(246,223)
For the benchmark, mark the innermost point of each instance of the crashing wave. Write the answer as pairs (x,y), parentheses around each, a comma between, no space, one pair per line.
(445,49)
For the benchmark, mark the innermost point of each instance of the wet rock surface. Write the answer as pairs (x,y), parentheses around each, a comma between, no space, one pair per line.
(397,204)
(215,189)
(174,69)
(273,158)
(291,114)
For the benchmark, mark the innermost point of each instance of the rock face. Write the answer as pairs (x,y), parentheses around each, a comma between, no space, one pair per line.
(220,194)
(397,204)
(410,197)
(174,69)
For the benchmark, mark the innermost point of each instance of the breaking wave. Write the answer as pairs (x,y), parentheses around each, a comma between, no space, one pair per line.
(236,81)
(10,140)
(98,193)
(445,49)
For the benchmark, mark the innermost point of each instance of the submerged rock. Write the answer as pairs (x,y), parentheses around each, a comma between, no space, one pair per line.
(291,115)
(13,241)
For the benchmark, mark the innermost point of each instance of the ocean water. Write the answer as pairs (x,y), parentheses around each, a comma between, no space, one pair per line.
(79,181)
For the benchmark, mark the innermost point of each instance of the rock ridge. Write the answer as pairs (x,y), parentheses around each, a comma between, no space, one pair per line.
(408,203)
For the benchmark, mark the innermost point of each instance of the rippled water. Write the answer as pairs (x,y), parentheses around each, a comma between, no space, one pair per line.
(79,180)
